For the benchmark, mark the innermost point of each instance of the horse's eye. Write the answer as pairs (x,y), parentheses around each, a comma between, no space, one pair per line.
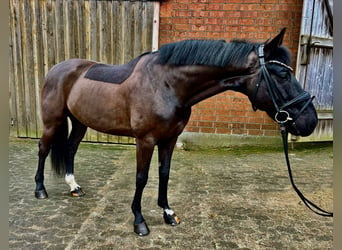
(285,75)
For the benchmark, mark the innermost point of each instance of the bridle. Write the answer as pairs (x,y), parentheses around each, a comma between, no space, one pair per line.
(282,116)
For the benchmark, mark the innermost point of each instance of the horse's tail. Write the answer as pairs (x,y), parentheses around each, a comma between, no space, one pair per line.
(59,150)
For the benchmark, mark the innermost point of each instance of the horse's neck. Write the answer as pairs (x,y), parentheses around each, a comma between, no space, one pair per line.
(196,83)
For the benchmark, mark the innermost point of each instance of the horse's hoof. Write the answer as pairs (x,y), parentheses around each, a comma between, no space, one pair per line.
(171,219)
(78,192)
(141,229)
(41,194)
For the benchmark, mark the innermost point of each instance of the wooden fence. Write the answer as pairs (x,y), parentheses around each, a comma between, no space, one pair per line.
(46,32)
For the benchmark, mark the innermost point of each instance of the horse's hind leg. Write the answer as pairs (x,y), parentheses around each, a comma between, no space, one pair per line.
(165,150)
(44,148)
(77,133)
(45,142)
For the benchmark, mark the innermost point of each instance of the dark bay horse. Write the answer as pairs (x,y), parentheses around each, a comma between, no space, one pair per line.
(151,97)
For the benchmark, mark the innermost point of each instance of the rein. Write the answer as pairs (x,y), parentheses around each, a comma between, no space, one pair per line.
(282,116)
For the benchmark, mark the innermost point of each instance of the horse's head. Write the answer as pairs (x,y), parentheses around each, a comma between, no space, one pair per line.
(277,91)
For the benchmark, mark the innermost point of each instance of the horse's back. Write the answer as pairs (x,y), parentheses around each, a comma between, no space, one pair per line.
(67,70)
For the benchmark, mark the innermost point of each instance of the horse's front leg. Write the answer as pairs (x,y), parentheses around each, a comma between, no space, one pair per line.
(144,151)
(165,150)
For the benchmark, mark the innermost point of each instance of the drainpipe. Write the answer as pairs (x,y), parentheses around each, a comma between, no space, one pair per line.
(155,29)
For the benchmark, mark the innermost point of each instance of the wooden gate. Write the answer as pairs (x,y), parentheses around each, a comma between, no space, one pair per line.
(315,64)
(46,32)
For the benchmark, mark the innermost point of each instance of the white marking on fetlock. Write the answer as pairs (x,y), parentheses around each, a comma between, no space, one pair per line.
(169,211)
(70,180)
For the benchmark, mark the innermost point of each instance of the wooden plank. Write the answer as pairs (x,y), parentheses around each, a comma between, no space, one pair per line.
(137,31)
(19,76)
(316,41)
(127,31)
(117,32)
(70,37)
(87,29)
(50,34)
(147,26)
(38,61)
(30,107)
(155,28)
(12,74)
(60,36)
(81,29)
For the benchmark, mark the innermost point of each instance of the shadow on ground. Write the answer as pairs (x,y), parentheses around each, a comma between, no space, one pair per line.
(227,199)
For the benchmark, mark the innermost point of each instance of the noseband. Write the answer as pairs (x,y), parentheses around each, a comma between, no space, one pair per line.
(282,116)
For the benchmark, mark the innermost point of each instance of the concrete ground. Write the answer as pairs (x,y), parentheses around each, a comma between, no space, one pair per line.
(230,198)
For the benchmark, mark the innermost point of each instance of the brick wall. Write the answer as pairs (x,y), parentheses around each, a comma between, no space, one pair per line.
(257,20)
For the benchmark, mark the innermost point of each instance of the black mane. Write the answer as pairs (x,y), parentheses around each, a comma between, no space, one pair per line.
(206,52)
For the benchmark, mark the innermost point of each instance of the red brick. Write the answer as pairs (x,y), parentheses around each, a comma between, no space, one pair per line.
(200,1)
(165,27)
(201,14)
(247,21)
(196,20)
(208,118)
(181,20)
(255,132)
(254,1)
(205,124)
(249,7)
(214,6)
(250,28)
(256,119)
(214,35)
(196,35)
(217,13)
(239,131)
(232,14)
(220,125)
(180,6)
(198,27)
(218,28)
(231,21)
(182,26)
(196,6)
(231,7)
(213,20)
(250,14)
(183,13)
(218,1)
(207,130)
(192,129)
(223,131)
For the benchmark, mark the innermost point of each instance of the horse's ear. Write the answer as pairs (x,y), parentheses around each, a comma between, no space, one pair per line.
(272,46)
